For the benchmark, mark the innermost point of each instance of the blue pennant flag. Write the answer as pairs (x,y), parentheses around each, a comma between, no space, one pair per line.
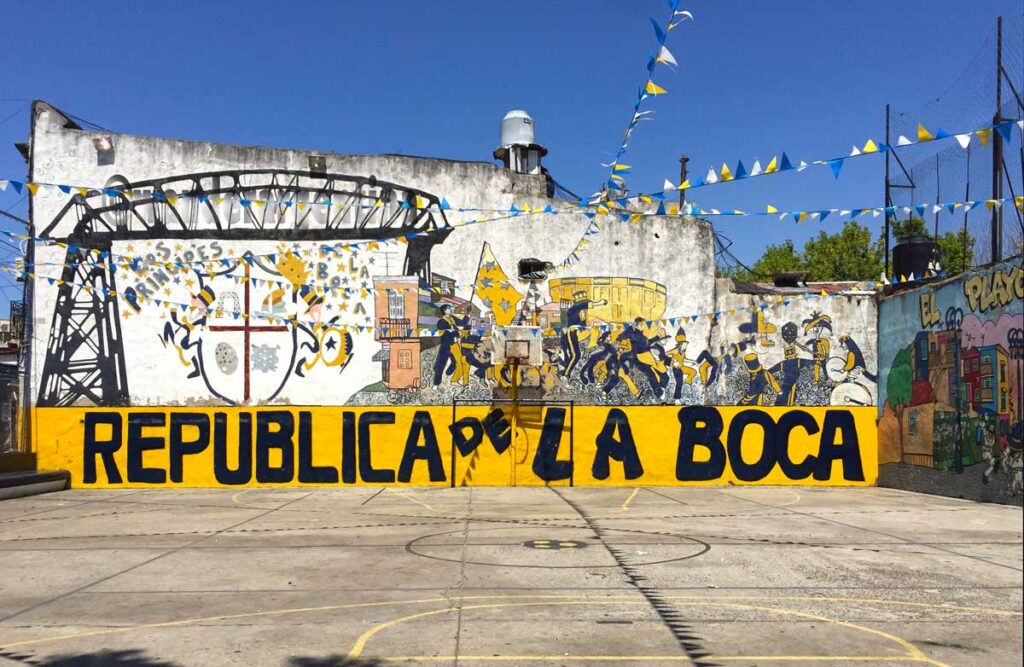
(942,134)
(590,215)
(661,209)
(786,164)
(18,185)
(658,32)
(244,202)
(111,192)
(445,206)
(836,165)
(741,171)
(404,205)
(824,214)
(697,182)
(1004,130)
(624,217)
(66,189)
(920,209)
(548,209)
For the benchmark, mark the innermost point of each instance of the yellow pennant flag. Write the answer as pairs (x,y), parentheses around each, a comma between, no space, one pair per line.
(923,134)
(33,188)
(494,289)
(870,147)
(984,136)
(772,167)
(725,174)
(772,209)
(654,89)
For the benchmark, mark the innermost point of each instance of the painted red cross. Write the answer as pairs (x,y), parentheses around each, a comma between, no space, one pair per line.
(247,329)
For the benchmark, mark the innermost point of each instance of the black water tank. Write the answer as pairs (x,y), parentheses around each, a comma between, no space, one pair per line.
(913,255)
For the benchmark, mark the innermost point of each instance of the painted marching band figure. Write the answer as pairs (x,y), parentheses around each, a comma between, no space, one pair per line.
(855,367)
(571,336)
(450,359)
(647,354)
(325,343)
(761,381)
(195,316)
(818,345)
(684,370)
(790,365)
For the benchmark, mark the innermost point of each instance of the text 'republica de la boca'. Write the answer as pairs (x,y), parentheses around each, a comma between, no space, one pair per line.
(441,446)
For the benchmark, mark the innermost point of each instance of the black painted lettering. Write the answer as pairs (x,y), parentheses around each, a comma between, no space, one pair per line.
(279,438)
(348,448)
(221,470)
(616,441)
(699,426)
(92,447)
(179,446)
(366,470)
(308,472)
(422,429)
(751,472)
(139,443)
(463,442)
(787,423)
(498,430)
(545,462)
(848,451)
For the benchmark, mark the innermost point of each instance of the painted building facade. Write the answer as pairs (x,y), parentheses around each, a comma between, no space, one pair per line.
(951,361)
(286,301)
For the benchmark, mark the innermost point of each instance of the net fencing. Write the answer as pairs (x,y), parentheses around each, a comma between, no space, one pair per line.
(921,174)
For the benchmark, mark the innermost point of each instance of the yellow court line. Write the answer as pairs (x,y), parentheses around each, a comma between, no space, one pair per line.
(401,603)
(625,505)
(410,497)
(654,658)
(912,652)
(238,495)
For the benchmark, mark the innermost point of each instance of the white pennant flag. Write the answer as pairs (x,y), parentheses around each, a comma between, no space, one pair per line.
(712,177)
(3,185)
(903,141)
(803,165)
(855,152)
(665,56)
(668,186)
(756,169)
(964,140)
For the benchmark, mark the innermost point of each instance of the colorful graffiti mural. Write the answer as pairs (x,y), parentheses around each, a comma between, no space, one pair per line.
(953,361)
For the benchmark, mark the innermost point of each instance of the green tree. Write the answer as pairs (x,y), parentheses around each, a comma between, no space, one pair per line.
(957,252)
(849,254)
(899,388)
(775,259)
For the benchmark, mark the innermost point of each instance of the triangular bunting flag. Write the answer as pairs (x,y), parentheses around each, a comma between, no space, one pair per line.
(836,165)
(923,134)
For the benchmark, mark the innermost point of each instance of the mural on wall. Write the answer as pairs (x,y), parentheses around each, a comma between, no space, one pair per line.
(952,390)
(352,312)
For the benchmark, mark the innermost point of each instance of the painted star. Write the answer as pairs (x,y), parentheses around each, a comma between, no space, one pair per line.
(176,280)
(373,260)
(331,344)
(167,291)
(177,247)
(189,282)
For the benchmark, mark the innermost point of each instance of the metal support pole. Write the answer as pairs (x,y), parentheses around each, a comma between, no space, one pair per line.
(997,151)
(888,199)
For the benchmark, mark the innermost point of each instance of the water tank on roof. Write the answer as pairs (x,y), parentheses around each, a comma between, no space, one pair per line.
(517,128)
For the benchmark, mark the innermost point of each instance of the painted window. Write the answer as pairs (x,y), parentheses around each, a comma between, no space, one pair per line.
(405,358)
(1002,401)
(1002,371)
(396,305)
(986,382)
(913,422)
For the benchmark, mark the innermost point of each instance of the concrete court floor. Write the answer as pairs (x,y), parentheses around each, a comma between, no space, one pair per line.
(531,576)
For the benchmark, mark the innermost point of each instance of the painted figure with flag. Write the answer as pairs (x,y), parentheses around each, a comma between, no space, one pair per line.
(178,331)
(684,370)
(818,345)
(494,289)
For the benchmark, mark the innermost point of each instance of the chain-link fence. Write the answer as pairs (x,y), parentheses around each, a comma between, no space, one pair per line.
(920,174)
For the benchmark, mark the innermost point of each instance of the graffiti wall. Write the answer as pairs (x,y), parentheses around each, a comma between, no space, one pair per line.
(233,278)
(951,357)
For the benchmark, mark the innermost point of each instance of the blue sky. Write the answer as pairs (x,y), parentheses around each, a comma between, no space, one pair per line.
(756,77)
